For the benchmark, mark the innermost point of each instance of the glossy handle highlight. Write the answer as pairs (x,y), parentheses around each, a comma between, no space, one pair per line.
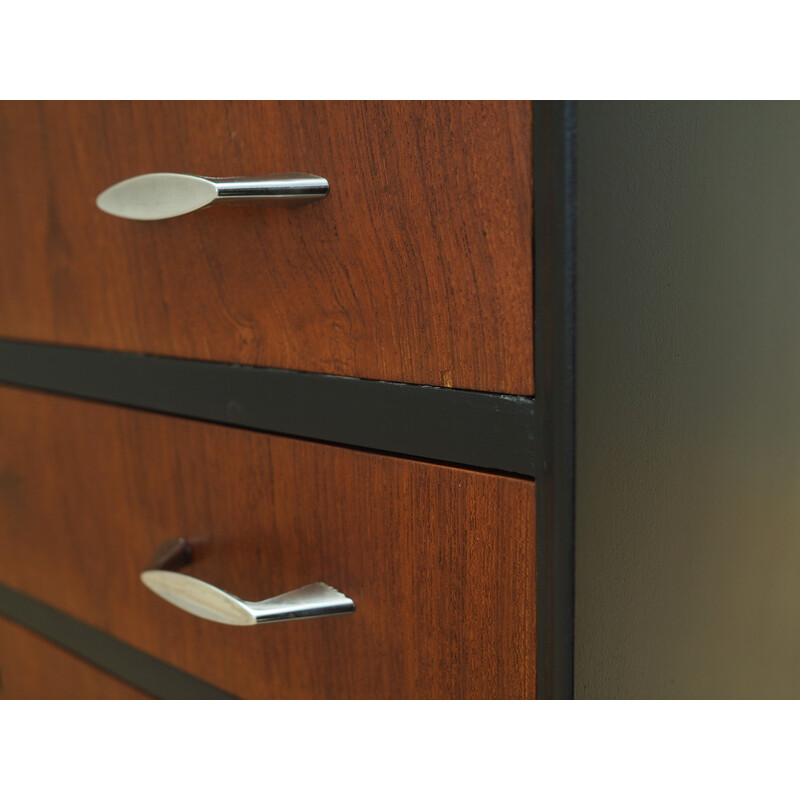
(212,603)
(162,195)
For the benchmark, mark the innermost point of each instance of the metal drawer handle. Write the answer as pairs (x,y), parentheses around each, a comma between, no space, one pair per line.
(209,602)
(161,195)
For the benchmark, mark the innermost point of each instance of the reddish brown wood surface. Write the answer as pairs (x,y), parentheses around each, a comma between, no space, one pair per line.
(439,561)
(417,267)
(31,668)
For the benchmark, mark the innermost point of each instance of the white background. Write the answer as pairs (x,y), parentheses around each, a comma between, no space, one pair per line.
(393,51)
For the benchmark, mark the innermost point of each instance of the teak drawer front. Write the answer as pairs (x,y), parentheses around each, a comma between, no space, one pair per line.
(416,268)
(31,668)
(439,561)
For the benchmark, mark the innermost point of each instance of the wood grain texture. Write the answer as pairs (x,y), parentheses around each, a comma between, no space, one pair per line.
(416,268)
(31,668)
(439,561)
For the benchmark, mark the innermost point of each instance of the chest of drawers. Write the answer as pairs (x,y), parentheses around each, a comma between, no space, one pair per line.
(522,388)
(340,391)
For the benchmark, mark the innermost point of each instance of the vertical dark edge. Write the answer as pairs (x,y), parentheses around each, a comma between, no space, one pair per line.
(554,270)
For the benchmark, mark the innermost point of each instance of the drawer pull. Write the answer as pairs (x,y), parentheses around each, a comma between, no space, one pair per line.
(161,195)
(209,602)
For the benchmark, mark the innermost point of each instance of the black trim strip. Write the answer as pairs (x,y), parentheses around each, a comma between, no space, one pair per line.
(152,676)
(554,261)
(476,429)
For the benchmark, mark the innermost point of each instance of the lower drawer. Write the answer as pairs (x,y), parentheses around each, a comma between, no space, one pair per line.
(33,669)
(439,561)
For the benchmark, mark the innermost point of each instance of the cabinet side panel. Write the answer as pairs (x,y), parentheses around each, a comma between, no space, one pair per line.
(688,433)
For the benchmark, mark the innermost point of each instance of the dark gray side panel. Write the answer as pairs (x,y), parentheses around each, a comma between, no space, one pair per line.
(688,400)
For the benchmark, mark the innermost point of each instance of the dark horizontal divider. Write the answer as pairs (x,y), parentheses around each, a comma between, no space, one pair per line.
(476,429)
(139,669)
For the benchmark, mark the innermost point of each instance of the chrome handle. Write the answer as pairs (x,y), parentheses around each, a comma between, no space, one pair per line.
(209,602)
(161,195)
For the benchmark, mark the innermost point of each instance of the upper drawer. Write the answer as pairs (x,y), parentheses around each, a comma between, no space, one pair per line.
(417,267)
